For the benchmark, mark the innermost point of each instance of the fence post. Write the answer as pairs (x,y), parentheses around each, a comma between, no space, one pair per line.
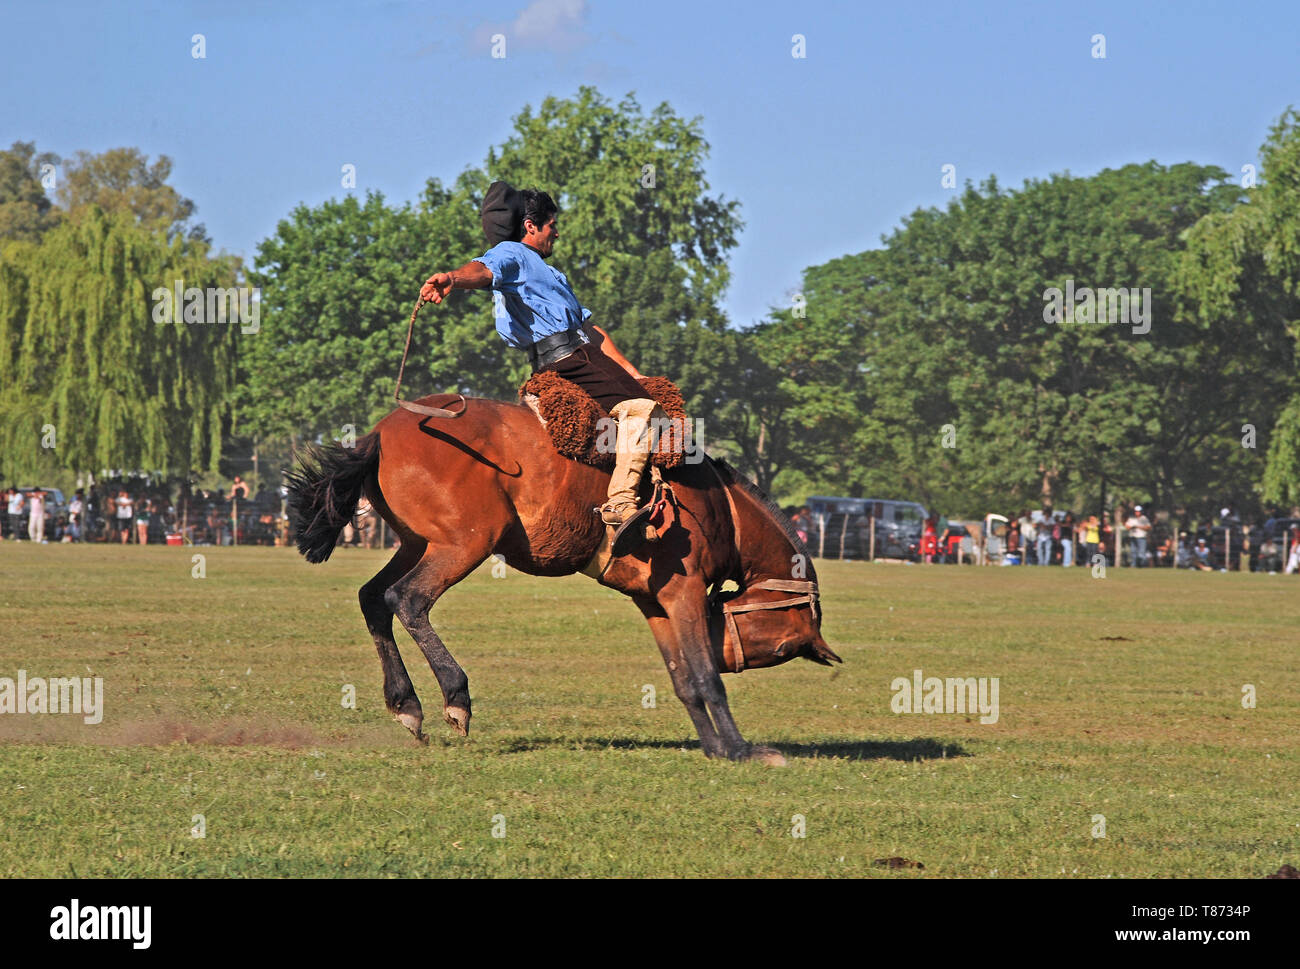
(821,536)
(871,556)
(844,528)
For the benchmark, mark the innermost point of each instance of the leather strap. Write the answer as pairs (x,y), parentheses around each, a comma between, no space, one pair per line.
(397,391)
(434,411)
(729,609)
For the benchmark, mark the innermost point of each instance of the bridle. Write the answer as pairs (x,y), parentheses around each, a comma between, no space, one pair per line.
(810,595)
(397,391)
(807,589)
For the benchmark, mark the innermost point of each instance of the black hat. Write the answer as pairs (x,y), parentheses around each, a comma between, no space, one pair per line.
(502,213)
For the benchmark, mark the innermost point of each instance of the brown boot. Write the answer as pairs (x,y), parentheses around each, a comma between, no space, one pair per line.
(632,454)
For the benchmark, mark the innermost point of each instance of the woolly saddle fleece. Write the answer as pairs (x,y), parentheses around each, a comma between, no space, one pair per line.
(571,416)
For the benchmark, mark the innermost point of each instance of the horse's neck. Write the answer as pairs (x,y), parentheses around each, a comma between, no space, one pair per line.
(766,552)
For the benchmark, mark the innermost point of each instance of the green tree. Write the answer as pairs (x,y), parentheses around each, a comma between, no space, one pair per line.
(88,379)
(26,212)
(122,179)
(644,249)
(977,399)
(1249,262)
(334,282)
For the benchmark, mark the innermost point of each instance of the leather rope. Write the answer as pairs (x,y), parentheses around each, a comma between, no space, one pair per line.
(397,391)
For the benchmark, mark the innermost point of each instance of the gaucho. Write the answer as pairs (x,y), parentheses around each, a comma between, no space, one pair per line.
(537,312)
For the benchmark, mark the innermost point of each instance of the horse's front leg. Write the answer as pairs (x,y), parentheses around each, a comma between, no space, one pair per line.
(687,612)
(678,672)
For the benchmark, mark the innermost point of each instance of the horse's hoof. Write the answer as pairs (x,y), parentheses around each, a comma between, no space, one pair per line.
(413,723)
(766,755)
(458,719)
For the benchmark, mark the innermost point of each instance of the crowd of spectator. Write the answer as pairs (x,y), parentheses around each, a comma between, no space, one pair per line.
(1045,537)
(1053,537)
(143,512)
(140,512)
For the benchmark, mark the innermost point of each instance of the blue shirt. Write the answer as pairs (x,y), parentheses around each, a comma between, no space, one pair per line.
(533,300)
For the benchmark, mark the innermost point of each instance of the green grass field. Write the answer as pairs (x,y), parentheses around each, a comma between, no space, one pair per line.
(1119,697)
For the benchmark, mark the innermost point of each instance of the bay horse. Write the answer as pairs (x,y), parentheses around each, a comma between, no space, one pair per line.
(491,482)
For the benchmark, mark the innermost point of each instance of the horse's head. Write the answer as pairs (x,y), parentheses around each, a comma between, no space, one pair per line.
(768,623)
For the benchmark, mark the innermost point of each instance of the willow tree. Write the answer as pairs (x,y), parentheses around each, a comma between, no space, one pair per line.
(88,379)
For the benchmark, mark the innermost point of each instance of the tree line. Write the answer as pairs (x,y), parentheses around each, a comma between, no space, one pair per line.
(972,361)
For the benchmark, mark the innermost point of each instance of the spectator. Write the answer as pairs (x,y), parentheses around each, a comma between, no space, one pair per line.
(1293,563)
(1270,557)
(125,512)
(76,516)
(1091,538)
(1165,552)
(238,490)
(929,541)
(803,523)
(1047,528)
(16,502)
(1201,557)
(1028,534)
(1139,527)
(367,523)
(216,524)
(142,518)
(1013,537)
(1067,529)
(948,543)
(36,516)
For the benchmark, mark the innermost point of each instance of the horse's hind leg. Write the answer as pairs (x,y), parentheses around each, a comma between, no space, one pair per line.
(411,598)
(399,692)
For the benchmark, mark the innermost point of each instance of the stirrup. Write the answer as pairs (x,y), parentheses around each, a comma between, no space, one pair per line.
(633,532)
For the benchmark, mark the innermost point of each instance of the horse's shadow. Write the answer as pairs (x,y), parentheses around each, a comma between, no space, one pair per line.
(918,748)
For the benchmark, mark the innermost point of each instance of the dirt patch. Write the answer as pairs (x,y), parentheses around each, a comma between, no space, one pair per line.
(897,862)
(162,732)
(222,734)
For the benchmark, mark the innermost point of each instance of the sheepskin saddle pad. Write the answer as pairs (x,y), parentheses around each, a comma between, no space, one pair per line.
(583,430)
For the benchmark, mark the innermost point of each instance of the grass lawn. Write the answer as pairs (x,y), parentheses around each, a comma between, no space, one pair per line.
(1118,697)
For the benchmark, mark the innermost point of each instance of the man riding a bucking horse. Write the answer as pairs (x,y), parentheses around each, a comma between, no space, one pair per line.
(537,312)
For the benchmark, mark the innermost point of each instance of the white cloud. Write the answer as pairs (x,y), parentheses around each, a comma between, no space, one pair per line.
(545,24)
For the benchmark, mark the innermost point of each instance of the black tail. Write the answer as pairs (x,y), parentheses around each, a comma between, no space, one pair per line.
(324,489)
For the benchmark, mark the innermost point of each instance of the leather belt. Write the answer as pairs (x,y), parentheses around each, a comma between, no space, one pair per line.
(555,347)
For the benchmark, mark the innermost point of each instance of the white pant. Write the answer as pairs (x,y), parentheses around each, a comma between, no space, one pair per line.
(36,528)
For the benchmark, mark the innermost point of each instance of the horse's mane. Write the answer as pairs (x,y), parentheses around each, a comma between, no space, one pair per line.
(730,475)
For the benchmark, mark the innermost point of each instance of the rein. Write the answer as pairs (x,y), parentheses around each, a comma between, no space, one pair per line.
(397,391)
(808,588)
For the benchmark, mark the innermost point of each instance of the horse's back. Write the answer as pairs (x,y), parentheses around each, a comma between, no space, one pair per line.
(493,465)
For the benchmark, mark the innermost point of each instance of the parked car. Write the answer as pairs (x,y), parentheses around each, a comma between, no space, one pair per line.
(842,527)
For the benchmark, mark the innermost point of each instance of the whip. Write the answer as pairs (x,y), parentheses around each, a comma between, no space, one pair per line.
(397,391)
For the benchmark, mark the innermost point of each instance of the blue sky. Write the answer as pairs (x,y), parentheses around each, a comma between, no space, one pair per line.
(825,153)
